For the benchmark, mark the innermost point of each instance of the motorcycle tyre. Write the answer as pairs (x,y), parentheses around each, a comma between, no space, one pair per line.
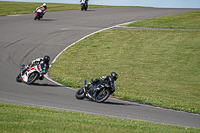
(34,78)
(36,17)
(18,79)
(79,95)
(104,98)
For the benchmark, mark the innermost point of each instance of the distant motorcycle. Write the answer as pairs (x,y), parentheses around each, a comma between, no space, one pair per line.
(39,13)
(84,6)
(30,74)
(98,92)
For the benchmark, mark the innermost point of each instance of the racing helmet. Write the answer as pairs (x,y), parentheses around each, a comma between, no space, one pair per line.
(44,5)
(46,59)
(114,76)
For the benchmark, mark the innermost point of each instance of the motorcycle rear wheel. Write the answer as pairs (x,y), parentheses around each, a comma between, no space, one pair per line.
(32,77)
(102,96)
(80,94)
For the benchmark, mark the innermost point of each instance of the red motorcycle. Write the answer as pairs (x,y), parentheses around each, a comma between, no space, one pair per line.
(39,13)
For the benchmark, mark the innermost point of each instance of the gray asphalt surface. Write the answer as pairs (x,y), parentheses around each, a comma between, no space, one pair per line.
(22,39)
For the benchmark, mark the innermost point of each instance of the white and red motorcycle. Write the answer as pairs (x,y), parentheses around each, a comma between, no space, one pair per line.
(39,13)
(30,74)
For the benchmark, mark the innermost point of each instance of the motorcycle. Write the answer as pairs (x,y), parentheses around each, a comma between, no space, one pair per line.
(84,6)
(39,13)
(98,92)
(30,74)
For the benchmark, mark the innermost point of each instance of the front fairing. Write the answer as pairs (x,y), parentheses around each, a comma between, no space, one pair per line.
(30,70)
(39,11)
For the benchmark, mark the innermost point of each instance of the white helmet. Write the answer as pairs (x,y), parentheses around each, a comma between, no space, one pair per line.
(44,4)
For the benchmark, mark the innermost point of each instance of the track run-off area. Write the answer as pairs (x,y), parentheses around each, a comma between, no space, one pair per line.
(22,40)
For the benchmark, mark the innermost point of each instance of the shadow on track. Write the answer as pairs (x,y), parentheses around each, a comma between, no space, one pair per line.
(50,85)
(90,10)
(47,19)
(113,103)
(119,103)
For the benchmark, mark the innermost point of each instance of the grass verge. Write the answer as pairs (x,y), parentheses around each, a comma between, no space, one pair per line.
(158,67)
(18,119)
(13,8)
(14,118)
(188,20)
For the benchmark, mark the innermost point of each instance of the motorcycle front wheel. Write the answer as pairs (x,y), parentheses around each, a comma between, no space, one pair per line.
(37,17)
(80,94)
(32,77)
(18,79)
(102,96)
(81,8)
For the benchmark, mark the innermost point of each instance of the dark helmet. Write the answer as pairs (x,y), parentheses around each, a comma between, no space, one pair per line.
(46,59)
(114,76)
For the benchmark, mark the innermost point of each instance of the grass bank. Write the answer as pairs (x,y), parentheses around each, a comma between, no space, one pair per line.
(18,119)
(188,20)
(13,8)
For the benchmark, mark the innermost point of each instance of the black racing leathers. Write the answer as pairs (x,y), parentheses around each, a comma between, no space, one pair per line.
(100,84)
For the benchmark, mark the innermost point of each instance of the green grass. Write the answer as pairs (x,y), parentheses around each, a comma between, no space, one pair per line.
(158,67)
(18,119)
(179,21)
(13,8)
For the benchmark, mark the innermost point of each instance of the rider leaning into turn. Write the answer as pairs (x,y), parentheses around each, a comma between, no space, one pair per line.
(109,80)
(43,62)
(43,8)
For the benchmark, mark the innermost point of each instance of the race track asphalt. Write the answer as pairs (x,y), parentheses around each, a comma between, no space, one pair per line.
(22,39)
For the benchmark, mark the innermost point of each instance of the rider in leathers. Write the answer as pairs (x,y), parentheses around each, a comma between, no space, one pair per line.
(43,62)
(43,8)
(84,1)
(108,80)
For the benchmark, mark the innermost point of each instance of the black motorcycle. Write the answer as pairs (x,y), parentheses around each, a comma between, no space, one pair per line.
(84,6)
(98,91)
